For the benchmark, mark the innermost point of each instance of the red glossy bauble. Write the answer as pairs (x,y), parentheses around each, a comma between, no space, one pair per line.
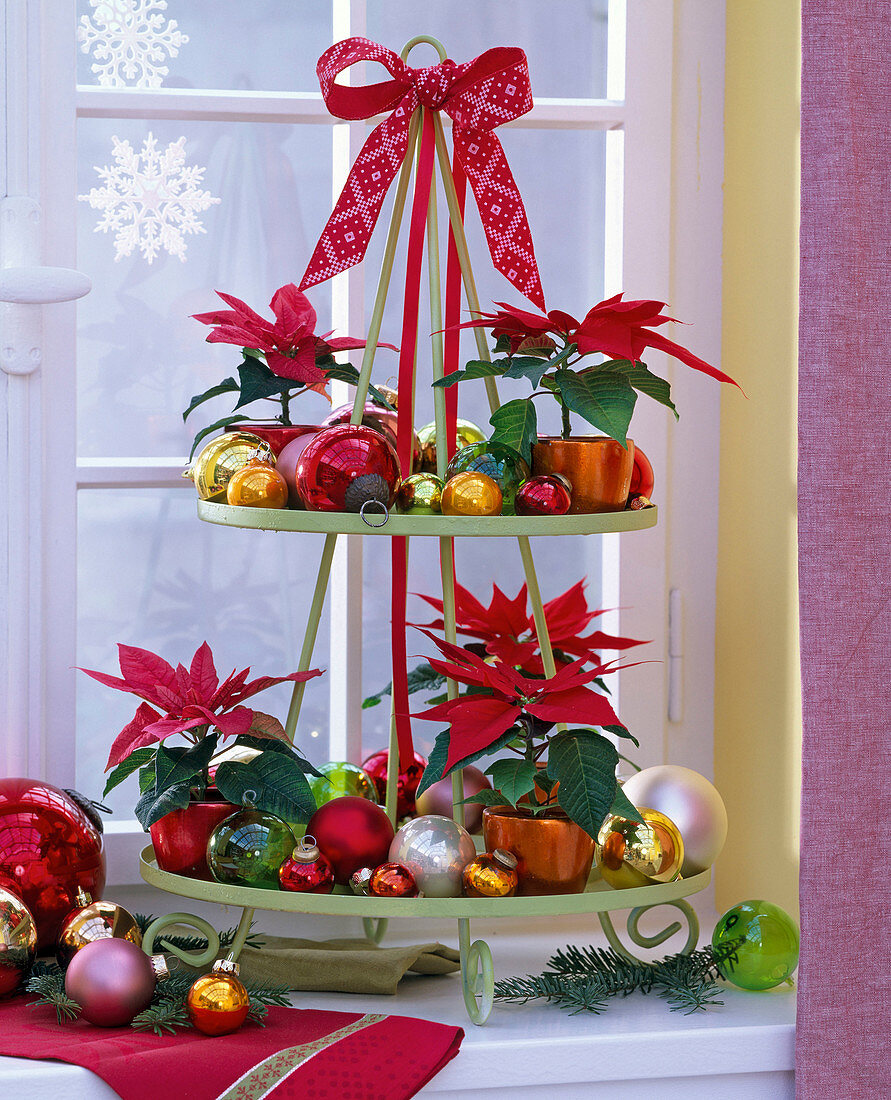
(352,832)
(340,466)
(392,880)
(286,464)
(306,870)
(48,848)
(381,419)
(112,980)
(544,495)
(438,798)
(406,785)
(642,477)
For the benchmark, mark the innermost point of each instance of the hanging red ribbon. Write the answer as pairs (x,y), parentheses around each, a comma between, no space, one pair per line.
(478,96)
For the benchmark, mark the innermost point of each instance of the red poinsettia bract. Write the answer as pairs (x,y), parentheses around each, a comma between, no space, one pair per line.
(478,720)
(508,629)
(186,698)
(289,343)
(618,329)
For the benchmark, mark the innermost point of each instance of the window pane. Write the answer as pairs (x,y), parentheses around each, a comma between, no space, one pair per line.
(141,356)
(151,575)
(565,42)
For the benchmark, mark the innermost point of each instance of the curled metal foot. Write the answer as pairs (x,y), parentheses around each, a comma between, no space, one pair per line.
(192,958)
(477,975)
(641,940)
(375,927)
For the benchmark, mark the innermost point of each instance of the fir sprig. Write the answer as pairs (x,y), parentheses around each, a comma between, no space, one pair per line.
(49,985)
(583,979)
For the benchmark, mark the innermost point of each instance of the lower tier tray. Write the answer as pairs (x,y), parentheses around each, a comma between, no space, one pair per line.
(477,971)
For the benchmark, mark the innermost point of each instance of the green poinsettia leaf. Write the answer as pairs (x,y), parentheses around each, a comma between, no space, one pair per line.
(228,385)
(155,804)
(283,747)
(174,766)
(276,782)
(643,380)
(223,422)
(476,368)
(346,372)
(583,762)
(524,366)
(602,398)
(421,678)
(513,778)
(440,752)
(488,798)
(621,731)
(147,777)
(622,806)
(134,761)
(516,426)
(258,382)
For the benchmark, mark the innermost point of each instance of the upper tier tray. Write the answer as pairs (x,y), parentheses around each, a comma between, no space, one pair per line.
(350,523)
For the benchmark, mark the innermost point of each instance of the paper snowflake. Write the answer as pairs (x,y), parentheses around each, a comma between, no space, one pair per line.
(130,40)
(150,199)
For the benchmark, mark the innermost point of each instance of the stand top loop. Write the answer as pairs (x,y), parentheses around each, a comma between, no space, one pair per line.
(420,39)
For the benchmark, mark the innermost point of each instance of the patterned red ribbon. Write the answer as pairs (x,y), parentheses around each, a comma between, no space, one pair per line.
(478,96)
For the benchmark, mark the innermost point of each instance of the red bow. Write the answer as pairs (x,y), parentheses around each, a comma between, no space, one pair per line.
(478,96)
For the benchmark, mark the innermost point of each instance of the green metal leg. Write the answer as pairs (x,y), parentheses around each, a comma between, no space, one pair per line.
(193,958)
(643,941)
(241,933)
(375,927)
(477,974)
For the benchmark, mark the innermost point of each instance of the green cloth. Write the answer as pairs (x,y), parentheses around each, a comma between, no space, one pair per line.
(342,966)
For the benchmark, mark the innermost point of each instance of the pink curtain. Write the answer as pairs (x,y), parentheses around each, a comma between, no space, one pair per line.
(844,471)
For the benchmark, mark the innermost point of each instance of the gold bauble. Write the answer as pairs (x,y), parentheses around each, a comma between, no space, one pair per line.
(466,434)
(491,875)
(218,1003)
(257,485)
(471,494)
(218,460)
(94,920)
(630,853)
(18,941)
(420,495)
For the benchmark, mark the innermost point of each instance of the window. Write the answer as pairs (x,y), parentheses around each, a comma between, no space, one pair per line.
(620,191)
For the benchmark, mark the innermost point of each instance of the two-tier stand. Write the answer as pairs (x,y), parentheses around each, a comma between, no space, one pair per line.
(476,957)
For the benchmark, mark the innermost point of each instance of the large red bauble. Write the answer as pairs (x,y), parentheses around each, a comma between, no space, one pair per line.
(406,785)
(339,463)
(437,799)
(642,477)
(382,420)
(543,495)
(48,848)
(112,980)
(352,832)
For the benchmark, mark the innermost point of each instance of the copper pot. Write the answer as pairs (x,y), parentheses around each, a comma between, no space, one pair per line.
(598,468)
(180,837)
(554,855)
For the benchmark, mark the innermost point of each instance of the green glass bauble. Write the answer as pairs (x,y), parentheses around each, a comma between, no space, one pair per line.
(505,466)
(340,778)
(765,940)
(248,848)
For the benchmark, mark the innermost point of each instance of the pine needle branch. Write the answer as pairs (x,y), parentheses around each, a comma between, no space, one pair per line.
(162,1017)
(50,989)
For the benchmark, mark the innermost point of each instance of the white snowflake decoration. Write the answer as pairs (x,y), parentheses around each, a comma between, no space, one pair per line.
(150,199)
(130,40)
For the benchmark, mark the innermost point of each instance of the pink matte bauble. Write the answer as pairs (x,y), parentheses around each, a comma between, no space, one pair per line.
(112,980)
(406,785)
(438,798)
(352,832)
(287,464)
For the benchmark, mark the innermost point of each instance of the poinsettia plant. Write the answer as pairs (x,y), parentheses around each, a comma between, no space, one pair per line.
(547,349)
(192,703)
(282,358)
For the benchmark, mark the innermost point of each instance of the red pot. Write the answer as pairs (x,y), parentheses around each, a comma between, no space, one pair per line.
(180,837)
(278,436)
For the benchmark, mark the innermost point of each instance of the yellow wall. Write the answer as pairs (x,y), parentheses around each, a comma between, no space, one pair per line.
(757,711)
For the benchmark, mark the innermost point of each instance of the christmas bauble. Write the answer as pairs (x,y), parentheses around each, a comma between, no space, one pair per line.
(218,1003)
(507,468)
(406,785)
(352,832)
(360,879)
(491,875)
(112,980)
(392,880)
(643,480)
(94,920)
(436,850)
(544,495)
(693,805)
(339,778)
(218,460)
(466,434)
(248,848)
(377,417)
(306,870)
(765,941)
(18,941)
(287,463)
(48,848)
(420,495)
(346,466)
(471,494)
(630,853)
(257,485)
(437,799)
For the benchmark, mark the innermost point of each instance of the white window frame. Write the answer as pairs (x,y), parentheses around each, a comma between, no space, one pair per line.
(670,124)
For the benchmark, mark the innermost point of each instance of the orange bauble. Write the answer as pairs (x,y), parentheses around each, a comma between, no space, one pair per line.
(218,1003)
(257,485)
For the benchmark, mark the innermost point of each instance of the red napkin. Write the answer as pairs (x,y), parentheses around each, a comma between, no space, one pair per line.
(298,1054)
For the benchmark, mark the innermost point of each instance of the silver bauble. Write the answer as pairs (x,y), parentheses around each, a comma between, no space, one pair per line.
(436,850)
(692,803)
